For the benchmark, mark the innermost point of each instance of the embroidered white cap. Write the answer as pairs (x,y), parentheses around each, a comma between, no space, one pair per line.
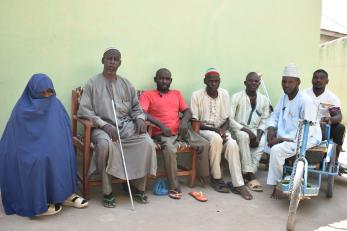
(291,71)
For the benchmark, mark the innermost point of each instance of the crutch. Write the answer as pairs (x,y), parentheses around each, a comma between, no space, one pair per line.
(121,149)
(263,87)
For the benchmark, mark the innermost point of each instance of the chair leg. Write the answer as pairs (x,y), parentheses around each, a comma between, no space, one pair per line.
(86,192)
(193,169)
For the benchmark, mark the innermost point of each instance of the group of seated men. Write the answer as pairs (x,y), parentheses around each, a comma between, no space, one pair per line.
(239,127)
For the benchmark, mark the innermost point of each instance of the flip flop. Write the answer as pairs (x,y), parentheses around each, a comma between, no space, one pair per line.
(175,194)
(255,186)
(52,209)
(198,196)
(76,201)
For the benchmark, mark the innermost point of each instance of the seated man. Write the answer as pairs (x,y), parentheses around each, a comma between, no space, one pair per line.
(139,149)
(249,112)
(162,107)
(292,106)
(329,107)
(212,106)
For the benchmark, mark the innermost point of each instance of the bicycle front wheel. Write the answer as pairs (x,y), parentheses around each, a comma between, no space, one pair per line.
(295,195)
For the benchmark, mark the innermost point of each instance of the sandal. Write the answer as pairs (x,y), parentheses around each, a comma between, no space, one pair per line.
(76,201)
(255,186)
(109,201)
(175,194)
(198,196)
(220,186)
(140,197)
(243,192)
(52,209)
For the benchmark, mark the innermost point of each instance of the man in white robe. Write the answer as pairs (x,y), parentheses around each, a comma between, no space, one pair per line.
(249,112)
(283,123)
(211,105)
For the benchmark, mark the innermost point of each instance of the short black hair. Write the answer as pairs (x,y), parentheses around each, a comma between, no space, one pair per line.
(250,74)
(321,71)
(161,70)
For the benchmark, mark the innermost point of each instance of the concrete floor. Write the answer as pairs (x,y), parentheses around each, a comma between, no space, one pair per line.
(221,212)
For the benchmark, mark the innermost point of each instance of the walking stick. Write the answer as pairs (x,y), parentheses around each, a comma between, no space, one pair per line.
(121,149)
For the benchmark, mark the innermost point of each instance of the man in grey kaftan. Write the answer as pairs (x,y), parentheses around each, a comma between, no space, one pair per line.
(139,149)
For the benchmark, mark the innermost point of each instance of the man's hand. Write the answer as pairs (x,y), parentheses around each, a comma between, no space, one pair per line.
(279,140)
(111,132)
(253,142)
(183,129)
(325,120)
(166,131)
(140,126)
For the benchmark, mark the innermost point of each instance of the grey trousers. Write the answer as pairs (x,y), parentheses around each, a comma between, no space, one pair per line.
(102,153)
(200,144)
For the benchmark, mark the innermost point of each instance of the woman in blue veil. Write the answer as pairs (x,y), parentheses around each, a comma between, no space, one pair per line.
(37,158)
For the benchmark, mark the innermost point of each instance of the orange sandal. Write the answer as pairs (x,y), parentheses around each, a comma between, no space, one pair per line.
(198,196)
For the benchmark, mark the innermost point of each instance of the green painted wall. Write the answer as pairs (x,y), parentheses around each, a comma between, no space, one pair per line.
(333,58)
(66,39)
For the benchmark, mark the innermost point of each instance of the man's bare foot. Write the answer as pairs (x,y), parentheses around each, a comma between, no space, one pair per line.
(278,194)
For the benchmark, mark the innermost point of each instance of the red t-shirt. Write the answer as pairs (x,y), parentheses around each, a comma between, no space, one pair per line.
(164,107)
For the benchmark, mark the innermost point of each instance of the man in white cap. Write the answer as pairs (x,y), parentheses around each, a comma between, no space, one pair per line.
(292,106)
(211,105)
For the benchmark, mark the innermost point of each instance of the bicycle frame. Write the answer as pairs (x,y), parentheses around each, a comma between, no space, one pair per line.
(301,156)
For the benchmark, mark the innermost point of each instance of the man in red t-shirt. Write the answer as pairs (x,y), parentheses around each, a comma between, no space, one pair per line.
(163,107)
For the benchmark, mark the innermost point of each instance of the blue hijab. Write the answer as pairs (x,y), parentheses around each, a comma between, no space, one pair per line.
(37,159)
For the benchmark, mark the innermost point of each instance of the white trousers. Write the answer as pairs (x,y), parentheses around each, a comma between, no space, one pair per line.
(231,154)
(250,157)
(278,154)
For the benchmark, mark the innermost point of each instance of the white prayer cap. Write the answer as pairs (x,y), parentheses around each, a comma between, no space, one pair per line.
(291,71)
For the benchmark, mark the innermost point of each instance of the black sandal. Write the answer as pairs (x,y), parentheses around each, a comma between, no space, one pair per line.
(109,201)
(220,186)
(140,197)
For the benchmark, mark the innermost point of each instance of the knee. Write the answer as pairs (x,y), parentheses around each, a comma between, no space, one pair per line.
(243,136)
(216,140)
(232,144)
(102,147)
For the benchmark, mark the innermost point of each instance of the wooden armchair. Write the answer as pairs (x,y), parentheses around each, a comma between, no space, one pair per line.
(83,145)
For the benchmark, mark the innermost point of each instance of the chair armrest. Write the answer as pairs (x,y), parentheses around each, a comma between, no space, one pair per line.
(87,124)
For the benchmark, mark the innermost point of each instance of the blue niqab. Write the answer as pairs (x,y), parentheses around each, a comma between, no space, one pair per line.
(37,159)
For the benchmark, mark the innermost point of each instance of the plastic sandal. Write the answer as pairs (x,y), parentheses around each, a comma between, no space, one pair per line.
(76,201)
(52,209)
(255,186)
(174,194)
(243,192)
(109,202)
(198,196)
(140,197)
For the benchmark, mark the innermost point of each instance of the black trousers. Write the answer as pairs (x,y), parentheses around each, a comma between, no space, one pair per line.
(337,133)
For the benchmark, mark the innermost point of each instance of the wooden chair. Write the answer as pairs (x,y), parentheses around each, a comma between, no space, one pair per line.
(83,145)
(190,172)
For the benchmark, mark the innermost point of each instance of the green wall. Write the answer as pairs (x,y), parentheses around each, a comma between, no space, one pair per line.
(333,58)
(65,39)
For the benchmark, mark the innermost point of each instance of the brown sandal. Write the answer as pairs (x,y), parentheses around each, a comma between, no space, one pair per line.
(243,192)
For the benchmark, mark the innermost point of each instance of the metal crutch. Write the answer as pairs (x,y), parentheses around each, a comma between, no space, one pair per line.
(262,84)
(121,149)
